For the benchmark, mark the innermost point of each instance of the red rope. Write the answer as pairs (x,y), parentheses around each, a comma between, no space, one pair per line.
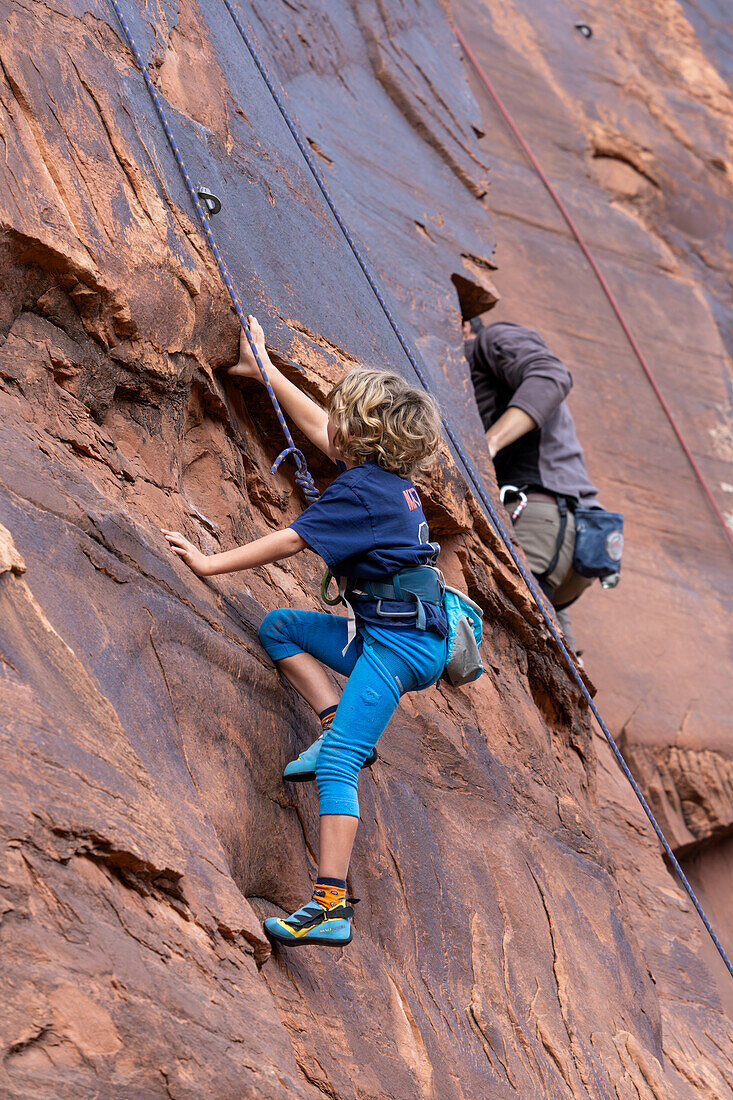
(599,275)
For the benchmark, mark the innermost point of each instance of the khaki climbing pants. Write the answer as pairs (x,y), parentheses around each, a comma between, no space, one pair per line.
(537,529)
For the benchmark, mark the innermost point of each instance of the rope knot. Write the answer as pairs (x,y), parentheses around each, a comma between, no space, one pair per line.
(303,478)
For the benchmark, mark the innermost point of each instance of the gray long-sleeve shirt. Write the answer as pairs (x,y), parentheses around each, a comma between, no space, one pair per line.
(512,367)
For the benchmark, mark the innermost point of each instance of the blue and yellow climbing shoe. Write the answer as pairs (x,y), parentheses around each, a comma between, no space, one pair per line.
(304,768)
(314,923)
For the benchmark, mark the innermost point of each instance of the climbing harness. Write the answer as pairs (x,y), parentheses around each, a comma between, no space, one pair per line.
(414,585)
(598,544)
(543,579)
(599,275)
(302,476)
(474,475)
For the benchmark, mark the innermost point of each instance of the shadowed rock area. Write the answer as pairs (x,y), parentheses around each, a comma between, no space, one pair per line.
(518,933)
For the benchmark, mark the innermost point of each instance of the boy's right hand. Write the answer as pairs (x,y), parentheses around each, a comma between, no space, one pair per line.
(247,365)
(186,550)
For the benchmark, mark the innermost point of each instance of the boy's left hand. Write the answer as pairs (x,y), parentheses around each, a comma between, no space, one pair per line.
(247,365)
(186,550)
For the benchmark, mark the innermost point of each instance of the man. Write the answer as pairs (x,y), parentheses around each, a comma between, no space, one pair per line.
(520,389)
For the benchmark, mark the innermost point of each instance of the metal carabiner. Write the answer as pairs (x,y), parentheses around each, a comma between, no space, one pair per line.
(515,491)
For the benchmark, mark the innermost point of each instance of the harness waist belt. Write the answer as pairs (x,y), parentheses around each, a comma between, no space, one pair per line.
(422,583)
(532,494)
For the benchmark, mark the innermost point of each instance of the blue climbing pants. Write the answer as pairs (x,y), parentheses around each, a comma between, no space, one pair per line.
(381,664)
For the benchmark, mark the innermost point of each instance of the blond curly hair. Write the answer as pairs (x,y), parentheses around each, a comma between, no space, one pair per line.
(378,417)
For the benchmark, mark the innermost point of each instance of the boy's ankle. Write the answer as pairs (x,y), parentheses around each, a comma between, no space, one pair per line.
(329,892)
(325,717)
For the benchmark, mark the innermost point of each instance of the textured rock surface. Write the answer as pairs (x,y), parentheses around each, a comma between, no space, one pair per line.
(518,933)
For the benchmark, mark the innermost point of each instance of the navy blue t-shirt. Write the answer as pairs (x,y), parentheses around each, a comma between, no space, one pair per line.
(368,525)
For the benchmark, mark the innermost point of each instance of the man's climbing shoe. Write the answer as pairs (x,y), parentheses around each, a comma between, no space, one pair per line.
(312,924)
(304,768)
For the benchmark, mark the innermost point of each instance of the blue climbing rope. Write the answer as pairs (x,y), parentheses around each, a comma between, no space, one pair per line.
(478,485)
(302,475)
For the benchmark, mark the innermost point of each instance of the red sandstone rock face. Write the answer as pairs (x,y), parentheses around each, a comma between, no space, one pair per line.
(518,934)
(635,132)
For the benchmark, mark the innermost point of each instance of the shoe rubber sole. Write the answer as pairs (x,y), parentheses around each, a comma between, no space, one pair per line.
(314,942)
